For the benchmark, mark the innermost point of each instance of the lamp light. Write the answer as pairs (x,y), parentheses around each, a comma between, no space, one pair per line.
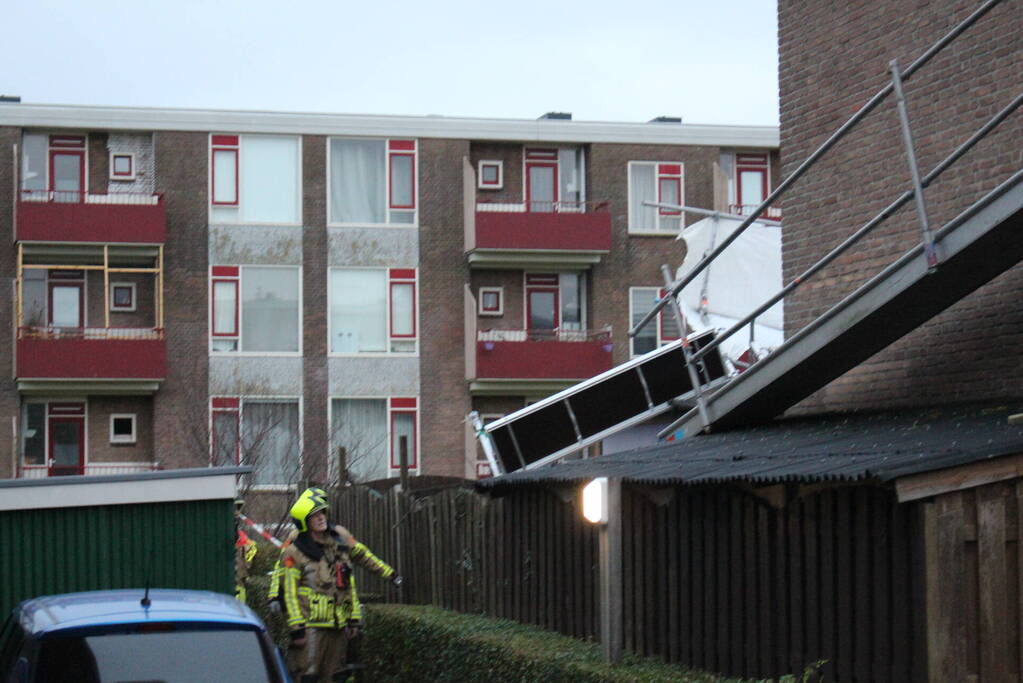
(595,501)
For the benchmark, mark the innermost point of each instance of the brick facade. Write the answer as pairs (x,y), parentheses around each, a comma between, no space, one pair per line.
(833,57)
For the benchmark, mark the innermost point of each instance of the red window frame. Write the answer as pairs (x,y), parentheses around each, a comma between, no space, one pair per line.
(401,148)
(65,282)
(401,277)
(672,175)
(67,152)
(541,158)
(113,165)
(543,283)
(403,406)
(750,163)
(223,143)
(232,408)
(229,275)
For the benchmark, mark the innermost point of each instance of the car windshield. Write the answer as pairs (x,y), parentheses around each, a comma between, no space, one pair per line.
(159,656)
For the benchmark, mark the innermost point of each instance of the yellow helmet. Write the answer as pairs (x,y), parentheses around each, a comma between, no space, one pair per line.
(312,500)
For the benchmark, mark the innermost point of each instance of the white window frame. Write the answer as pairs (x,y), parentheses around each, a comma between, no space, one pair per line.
(131,162)
(657,190)
(662,339)
(239,411)
(134,297)
(239,280)
(500,301)
(240,180)
(127,439)
(388,153)
(390,280)
(499,165)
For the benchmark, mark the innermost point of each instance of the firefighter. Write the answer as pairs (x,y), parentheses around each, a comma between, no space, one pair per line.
(274,599)
(322,610)
(244,552)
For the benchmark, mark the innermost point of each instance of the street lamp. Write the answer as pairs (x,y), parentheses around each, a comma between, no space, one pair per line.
(602,504)
(595,501)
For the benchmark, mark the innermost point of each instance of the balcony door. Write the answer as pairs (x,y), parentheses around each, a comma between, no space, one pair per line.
(66,307)
(67,168)
(66,431)
(541,180)
(542,308)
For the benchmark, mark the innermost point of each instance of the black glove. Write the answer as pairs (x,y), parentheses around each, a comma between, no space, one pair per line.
(397,580)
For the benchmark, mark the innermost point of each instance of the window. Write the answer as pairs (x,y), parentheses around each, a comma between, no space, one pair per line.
(122,428)
(122,166)
(373,310)
(260,432)
(255,309)
(555,301)
(53,167)
(659,183)
(122,297)
(370,435)
(373,182)
(750,183)
(33,433)
(554,179)
(490,175)
(254,179)
(653,334)
(492,301)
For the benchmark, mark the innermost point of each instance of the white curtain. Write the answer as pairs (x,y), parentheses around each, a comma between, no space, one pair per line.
(642,188)
(359,425)
(224,307)
(269,185)
(642,300)
(225,438)
(358,311)
(269,309)
(357,181)
(270,441)
(402,315)
(33,161)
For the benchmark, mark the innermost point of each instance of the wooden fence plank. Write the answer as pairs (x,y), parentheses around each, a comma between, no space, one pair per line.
(796,583)
(992,588)
(880,586)
(862,604)
(828,589)
(810,523)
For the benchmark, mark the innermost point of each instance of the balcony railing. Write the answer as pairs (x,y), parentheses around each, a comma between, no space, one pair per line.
(542,354)
(71,216)
(91,353)
(771,212)
(91,469)
(566,226)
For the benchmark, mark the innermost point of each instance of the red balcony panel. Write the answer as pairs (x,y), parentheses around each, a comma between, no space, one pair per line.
(561,230)
(78,358)
(546,359)
(100,218)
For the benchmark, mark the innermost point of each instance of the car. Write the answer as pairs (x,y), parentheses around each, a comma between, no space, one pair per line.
(155,636)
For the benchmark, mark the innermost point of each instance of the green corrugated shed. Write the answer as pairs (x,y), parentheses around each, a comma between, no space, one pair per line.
(171,529)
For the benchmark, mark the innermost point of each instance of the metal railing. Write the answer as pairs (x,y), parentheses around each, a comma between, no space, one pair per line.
(77,197)
(93,469)
(772,212)
(493,206)
(560,335)
(914,193)
(51,332)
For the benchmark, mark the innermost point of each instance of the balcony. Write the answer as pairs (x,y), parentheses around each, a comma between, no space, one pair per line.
(53,216)
(545,234)
(90,469)
(90,360)
(771,213)
(538,360)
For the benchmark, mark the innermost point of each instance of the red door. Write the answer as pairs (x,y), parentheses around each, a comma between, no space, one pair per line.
(66,432)
(67,304)
(67,174)
(541,185)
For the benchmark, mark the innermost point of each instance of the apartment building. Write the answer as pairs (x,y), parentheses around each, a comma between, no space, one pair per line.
(327,295)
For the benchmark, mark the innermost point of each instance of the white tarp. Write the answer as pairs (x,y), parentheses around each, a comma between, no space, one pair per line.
(737,282)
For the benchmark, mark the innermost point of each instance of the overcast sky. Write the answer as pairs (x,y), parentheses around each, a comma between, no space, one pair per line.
(617,60)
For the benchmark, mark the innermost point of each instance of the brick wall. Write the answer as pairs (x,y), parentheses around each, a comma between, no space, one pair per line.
(314,304)
(8,392)
(180,410)
(443,274)
(833,57)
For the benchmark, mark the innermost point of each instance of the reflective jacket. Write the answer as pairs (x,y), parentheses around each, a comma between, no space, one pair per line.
(319,591)
(244,552)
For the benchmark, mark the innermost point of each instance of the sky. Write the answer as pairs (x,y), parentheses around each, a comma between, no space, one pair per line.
(618,60)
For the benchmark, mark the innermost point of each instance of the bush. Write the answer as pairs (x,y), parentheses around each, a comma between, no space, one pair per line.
(405,642)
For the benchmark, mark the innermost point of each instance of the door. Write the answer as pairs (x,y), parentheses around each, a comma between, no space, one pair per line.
(67,445)
(67,174)
(542,312)
(541,186)
(66,304)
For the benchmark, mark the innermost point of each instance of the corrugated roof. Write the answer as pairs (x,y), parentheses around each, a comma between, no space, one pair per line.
(840,448)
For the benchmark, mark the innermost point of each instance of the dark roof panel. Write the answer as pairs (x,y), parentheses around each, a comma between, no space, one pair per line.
(849,447)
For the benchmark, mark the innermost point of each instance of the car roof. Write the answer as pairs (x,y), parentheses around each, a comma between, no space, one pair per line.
(51,613)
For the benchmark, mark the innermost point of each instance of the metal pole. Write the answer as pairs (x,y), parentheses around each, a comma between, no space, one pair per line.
(687,353)
(914,172)
(611,602)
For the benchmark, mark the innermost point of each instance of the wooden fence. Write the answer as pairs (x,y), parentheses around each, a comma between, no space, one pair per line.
(715,577)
